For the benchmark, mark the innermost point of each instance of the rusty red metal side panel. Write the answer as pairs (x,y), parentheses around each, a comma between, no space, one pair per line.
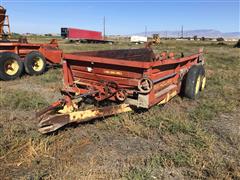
(67,75)
(53,55)
(112,61)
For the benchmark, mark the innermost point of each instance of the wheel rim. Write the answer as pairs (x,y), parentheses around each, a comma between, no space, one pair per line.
(203,83)
(121,95)
(38,64)
(145,85)
(197,85)
(11,67)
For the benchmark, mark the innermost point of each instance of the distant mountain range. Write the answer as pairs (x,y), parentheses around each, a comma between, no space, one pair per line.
(211,33)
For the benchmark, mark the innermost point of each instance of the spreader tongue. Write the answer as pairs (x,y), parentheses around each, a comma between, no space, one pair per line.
(53,106)
(52,123)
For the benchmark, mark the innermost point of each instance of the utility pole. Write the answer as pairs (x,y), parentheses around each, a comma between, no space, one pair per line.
(145,31)
(182,32)
(104,24)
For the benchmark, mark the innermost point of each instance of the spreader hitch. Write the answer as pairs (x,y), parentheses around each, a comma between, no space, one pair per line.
(50,123)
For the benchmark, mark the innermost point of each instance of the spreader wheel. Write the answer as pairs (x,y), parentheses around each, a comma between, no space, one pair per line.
(35,63)
(145,85)
(203,78)
(10,66)
(121,95)
(193,82)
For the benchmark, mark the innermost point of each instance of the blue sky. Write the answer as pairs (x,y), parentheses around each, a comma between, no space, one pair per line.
(122,17)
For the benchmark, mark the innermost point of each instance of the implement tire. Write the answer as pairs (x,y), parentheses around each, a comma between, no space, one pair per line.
(10,66)
(35,63)
(193,82)
(203,78)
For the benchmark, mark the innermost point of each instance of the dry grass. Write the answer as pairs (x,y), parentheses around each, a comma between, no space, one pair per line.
(182,139)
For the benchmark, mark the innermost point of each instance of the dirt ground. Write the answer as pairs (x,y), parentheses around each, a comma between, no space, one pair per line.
(182,139)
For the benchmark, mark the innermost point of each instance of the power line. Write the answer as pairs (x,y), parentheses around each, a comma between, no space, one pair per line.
(145,31)
(104,28)
(182,32)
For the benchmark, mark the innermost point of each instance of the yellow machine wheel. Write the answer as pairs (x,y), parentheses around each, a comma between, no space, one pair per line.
(10,66)
(38,64)
(35,63)
(203,85)
(203,78)
(193,82)
(197,86)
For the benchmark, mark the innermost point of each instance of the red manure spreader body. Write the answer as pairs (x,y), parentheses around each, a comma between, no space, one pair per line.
(117,81)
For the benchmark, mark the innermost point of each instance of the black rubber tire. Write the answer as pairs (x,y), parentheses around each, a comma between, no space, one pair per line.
(4,58)
(30,60)
(191,82)
(202,73)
